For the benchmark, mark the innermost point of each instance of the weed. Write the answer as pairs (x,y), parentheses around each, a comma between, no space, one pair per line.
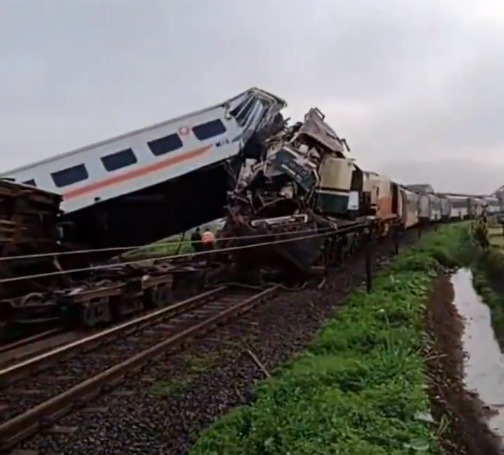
(196,365)
(360,386)
(164,388)
(202,362)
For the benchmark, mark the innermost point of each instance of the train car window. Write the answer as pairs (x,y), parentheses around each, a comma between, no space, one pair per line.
(242,106)
(165,144)
(70,175)
(209,129)
(30,182)
(118,160)
(244,114)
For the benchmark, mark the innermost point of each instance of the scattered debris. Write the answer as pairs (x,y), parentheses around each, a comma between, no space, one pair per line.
(258,363)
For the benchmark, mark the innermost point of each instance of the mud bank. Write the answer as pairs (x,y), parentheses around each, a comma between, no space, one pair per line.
(465,430)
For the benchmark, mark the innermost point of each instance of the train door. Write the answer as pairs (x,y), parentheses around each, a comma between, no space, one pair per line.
(395,198)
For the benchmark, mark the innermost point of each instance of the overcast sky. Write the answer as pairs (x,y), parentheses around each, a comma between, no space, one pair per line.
(405,81)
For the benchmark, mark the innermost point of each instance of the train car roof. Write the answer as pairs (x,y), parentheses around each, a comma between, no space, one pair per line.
(140,130)
(421,188)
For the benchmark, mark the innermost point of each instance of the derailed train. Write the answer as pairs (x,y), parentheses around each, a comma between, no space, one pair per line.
(304,203)
(307,187)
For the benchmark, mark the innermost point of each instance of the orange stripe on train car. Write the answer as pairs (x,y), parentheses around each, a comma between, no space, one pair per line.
(140,172)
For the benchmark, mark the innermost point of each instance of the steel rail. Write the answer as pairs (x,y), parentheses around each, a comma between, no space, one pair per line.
(28,340)
(47,413)
(32,365)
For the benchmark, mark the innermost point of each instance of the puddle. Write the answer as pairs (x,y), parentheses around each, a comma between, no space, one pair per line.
(484,366)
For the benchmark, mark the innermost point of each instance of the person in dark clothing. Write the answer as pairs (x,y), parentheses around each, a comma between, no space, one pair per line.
(196,240)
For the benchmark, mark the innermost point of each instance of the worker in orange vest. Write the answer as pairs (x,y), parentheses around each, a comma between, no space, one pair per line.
(208,240)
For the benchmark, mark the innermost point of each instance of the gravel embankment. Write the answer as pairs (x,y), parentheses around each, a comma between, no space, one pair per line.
(163,409)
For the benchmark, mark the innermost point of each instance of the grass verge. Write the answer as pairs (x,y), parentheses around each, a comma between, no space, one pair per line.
(361,387)
(487,267)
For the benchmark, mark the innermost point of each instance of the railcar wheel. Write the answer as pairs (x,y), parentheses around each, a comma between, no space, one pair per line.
(87,317)
(94,312)
(159,296)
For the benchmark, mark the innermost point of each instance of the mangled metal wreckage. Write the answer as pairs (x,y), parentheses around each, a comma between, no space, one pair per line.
(303,187)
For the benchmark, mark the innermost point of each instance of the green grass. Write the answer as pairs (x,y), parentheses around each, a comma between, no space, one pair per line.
(361,386)
(195,365)
(165,247)
(169,246)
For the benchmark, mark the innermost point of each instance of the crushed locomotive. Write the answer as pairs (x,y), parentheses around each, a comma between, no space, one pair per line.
(307,201)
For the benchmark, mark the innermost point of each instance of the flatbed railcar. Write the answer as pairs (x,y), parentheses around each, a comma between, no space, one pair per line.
(158,180)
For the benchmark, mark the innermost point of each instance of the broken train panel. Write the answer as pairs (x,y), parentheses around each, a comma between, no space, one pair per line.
(305,188)
(292,243)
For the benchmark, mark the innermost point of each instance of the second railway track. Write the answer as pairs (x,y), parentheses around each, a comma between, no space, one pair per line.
(37,392)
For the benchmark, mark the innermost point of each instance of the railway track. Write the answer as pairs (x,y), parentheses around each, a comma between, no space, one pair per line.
(24,342)
(37,392)
(36,345)
(89,343)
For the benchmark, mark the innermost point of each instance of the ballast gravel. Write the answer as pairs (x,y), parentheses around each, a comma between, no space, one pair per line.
(164,408)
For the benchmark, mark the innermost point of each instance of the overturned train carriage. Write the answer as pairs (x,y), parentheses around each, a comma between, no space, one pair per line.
(159,180)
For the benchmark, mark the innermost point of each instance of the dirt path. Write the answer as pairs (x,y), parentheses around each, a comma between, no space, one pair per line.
(466,432)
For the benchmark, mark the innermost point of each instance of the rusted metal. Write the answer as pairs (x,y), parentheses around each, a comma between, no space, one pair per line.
(25,351)
(29,219)
(28,340)
(28,224)
(48,412)
(32,234)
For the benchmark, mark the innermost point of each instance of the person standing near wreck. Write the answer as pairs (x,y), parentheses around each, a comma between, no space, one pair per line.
(208,240)
(480,231)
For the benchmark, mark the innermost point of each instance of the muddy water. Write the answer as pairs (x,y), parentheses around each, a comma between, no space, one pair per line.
(484,366)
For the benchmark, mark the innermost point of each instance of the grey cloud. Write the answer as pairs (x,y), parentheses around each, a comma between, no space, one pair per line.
(462,176)
(402,80)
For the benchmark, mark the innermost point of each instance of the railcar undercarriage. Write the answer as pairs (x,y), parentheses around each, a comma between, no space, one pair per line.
(279,206)
(154,213)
